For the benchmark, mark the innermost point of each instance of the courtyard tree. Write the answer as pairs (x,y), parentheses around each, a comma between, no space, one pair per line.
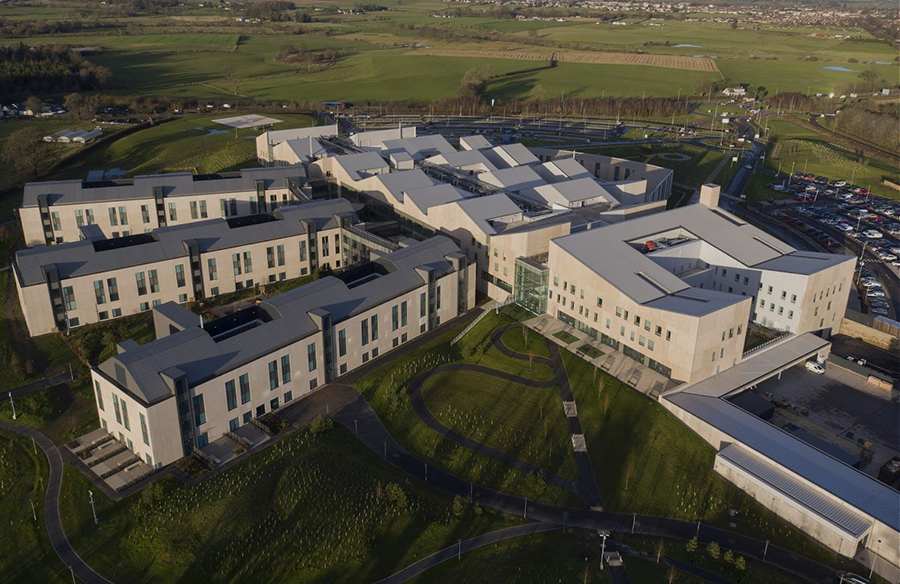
(24,151)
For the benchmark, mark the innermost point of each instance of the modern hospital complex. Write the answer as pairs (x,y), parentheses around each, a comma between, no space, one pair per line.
(416,231)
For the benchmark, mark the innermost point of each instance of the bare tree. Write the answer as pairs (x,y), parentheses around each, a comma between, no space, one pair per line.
(231,75)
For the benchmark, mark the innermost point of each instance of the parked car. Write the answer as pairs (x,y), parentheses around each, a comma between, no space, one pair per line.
(815,367)
(875,294)
(873,234)
(880,311)
(850,578)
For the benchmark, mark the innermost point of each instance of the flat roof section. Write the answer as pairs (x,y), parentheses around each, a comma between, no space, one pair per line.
(766,363)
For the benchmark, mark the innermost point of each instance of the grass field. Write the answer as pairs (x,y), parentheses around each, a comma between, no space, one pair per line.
(532,559)
(386,391)
(190,144)
(27,557)
(660,467)
(531,425)
(796,148)
(287,514)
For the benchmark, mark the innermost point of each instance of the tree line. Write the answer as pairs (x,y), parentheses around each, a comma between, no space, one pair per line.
(48,70)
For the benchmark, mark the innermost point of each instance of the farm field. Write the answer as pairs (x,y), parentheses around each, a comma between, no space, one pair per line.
(380,55)
(286,514)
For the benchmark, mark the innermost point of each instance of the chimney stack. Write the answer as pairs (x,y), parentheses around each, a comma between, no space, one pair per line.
(709,195)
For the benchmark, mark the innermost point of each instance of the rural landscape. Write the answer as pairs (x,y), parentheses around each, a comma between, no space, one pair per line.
(565,220)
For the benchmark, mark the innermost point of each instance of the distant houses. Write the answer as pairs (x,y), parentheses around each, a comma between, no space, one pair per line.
(734,92)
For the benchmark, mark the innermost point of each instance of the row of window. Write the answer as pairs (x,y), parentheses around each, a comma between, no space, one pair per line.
(120,408)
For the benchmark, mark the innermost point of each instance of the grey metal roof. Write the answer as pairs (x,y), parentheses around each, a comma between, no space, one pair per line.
(606,250)
(513,179)
(305,149)
(841,480)
(574,191)
(561,169)
(804,262)
(789,485)
(463,158)
(762,365)
(697,301)
(433,196)
(194,352)
(482,210)
(510,155)
(397,183)
(420,146)
(277,136)
(357,166)
(80,258)
(73,192)
(475,142)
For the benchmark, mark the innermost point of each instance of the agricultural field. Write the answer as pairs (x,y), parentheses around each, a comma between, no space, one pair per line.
(286,514)
(28,557)
(381,56)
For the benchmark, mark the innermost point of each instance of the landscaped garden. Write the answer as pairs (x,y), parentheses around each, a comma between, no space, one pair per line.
(387,391)
(291,513)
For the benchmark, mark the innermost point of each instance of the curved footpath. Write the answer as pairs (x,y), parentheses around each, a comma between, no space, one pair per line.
(58,539)
(454,551)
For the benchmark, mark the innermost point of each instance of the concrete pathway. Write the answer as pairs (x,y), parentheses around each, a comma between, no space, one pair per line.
(455,551)
(53,522)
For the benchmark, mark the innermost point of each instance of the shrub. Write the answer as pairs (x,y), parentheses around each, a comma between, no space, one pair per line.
(321,425)
(459,506)
(728,557)
(713,550)
(691,546)
(396,495)
(740,563)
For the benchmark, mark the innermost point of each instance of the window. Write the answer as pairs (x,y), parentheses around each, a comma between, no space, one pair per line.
(422,306)
(273,375)
(99,292)
(199,410)
(193,205)
(343,368)
(769,290)
(248,264)
(599,302)
(646,325)
(658,331)
(223,207)
(395,320)
(145,214)
(374,329)
(233,204)
(286,371)
(203,440)
(650,344)
(395,342)
(236,263)
(793,298)
(141,284)
(144,434)
(233,424)
(313,383)
(69,298)
(154,281)
(740,328)
(173,214)
(79,218)
(270,257)
(302,251)
(213,272)
(403,315)
(783,294)
(641,340)
(144,306)
(279,253)
(116,312)
(247,417)
(622,331)
(273,405)
(230,395)
(618,311)
(57,224)
(288,396)
(123,216)
(179,275)
(437,298)
(342,342)
(116,408)
(103,315)
(244,381)
(125,421)
(632,336)
(364,331)
(669,335)
(311,356)
(203,213)
(214,291)
(99,395)
(112,216)
(730,332)
(253,206)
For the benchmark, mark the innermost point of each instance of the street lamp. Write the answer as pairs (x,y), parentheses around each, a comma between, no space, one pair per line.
(13,404)
(93,510)
(603,535)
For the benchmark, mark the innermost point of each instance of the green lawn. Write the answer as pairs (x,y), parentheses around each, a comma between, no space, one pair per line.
(660,467)
(386,391)
(27,554)
(525,341)
(525,422)
(532,559)
(188,144)
(287,514)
